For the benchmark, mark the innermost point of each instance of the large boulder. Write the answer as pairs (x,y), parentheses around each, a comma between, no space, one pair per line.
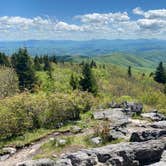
(122,154)
(115,116)
(155,116)
(40,162)
(131,108)
(162,162)
(146,135)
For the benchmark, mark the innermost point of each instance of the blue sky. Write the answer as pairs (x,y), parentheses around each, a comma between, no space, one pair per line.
(82,19)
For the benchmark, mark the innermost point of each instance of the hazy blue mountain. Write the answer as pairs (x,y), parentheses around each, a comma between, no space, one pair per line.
(131,51)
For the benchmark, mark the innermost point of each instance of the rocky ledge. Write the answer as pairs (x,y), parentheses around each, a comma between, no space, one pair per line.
(122,154)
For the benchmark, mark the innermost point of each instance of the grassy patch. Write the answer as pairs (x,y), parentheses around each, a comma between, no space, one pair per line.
(26,139)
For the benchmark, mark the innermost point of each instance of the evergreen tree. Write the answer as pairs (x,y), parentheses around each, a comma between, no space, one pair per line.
(4,60)
(47,66)
(37,64)
(74,82)
(23,65)
(88,82)
(160,74)
(93,64)
(53,59)
(129,72)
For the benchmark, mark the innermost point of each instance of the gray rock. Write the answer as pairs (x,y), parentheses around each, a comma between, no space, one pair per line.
(113,135)
(160,124)
(82,158)
(131,108)
(4,157)
(146,135)
(40,162)
(122,154)
(96,140)
(61,142)
(63,162)
(162,162)
(75,129)
(115,116)
(155,116)
(9,150)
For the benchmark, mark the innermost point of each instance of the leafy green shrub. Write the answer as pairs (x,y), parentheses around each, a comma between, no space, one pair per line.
(8,82)
(30,111)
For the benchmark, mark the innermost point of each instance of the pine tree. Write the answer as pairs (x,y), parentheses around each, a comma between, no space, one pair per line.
(37,64)
(129,72)
(23,65)
(88,82)
(93,64)
(74,82)
(160,74)
(47,66)
(4,61)
(53,59)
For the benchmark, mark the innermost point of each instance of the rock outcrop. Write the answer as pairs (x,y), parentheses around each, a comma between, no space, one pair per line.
(146,135)
(155,116)
(122,154)
(115,116)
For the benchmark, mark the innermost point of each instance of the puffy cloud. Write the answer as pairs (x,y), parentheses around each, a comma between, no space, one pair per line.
(93,25)
(154,20)
(138,11)
(151,14)
(106,18)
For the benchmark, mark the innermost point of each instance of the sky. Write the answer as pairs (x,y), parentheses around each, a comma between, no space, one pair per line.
(82,19)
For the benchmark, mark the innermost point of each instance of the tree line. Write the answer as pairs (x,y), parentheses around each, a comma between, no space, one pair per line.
(25,66)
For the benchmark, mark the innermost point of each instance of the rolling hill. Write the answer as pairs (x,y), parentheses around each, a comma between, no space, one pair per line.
(141,53)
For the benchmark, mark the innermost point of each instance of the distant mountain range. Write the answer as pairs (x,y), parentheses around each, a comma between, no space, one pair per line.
(141,52)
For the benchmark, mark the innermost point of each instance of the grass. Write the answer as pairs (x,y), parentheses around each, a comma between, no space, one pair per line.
(26,139)
(74,143)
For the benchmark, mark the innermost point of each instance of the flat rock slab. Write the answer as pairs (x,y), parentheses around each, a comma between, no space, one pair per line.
(145,135)
(160,124)
(40,162)
(155,116)
(115,116)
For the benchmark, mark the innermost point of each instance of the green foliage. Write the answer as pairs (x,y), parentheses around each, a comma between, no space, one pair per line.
(37,64)
(8,82)
(129,72)
(23,65)
(74,82)
(88,82)
(4,60)
(27,112)
(160,74)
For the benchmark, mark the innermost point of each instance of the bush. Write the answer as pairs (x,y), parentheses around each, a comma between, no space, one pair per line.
(27,112)
(8,82)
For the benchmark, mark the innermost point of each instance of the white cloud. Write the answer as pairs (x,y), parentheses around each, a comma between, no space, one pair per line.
(151,14)
(93,25)
(106,18)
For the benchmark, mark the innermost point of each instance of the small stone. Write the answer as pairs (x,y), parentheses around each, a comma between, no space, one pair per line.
(96,140)
(4,157)
(62,142)
(9,150)
(75,129)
